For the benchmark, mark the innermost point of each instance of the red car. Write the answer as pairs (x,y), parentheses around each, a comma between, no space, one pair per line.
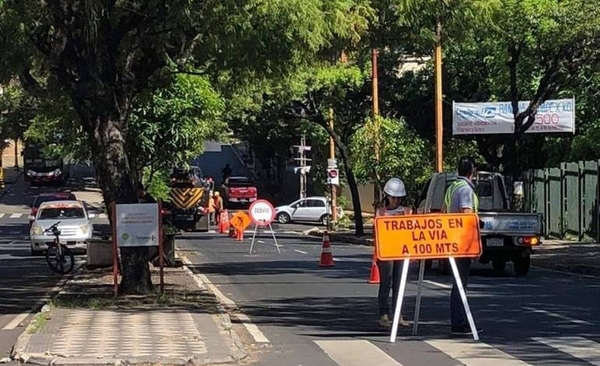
(47,197)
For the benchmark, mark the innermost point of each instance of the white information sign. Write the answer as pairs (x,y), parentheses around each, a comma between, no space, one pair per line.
(137,225)
(553,116)
(262,212)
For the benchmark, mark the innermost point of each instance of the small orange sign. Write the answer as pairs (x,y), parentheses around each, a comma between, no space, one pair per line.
(240,221)
(427,236)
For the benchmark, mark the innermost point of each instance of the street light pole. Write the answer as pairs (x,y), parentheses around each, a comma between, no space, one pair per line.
(439,126)
(332,157)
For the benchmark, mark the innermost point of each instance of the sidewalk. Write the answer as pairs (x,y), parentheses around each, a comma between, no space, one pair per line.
(85,325)
(559,255)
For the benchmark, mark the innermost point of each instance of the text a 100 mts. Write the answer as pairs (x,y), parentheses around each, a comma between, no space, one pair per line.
(427,236)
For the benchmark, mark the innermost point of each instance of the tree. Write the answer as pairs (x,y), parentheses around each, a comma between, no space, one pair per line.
(102,54)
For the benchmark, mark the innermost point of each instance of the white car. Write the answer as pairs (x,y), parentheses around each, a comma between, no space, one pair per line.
(75,226)
(309,209)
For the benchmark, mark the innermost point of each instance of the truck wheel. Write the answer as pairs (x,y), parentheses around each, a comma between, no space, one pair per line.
(499,265)
(522,265)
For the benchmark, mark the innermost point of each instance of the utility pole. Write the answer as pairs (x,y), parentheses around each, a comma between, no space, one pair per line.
(376,122)
(332,187)
(439,126)
(303,168)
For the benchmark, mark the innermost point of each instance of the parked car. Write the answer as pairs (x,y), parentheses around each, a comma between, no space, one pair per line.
(241,190)
(309,209)
(75,224)
(48,197)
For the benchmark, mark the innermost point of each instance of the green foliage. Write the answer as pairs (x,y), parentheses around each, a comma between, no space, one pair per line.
(403,154)
(169,126)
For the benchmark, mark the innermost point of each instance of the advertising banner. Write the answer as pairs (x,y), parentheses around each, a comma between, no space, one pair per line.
(553,116)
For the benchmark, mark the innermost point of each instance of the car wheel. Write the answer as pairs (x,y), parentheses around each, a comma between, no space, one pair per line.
(283,218)
(324,220)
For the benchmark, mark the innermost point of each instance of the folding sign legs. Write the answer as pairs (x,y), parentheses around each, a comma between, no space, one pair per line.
(274,239)
(256,230)
(399,302)
(463,297)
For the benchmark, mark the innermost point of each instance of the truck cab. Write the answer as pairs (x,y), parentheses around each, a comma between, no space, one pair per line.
(506,236)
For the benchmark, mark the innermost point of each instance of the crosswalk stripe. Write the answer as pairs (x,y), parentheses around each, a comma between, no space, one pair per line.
(356,353)
(472,353)
(16,321)
(15,215)
(577,347)
(1,215)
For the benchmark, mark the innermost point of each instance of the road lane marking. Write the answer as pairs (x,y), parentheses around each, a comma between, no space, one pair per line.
(442,285)
(558,316)
(15,215)
(356,352)
(202,281)
(2,215)
(578,347)
(300,251)
(16,321)
(472,353)
(260,241)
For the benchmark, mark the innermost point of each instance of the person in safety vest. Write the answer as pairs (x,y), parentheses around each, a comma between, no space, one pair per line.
(460,197)
(389,271)
(218,206)
(211,209)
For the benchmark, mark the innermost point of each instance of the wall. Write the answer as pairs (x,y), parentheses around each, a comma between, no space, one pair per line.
(8,155)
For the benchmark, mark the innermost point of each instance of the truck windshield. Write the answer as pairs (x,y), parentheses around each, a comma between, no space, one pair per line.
(240,183)
(62,213)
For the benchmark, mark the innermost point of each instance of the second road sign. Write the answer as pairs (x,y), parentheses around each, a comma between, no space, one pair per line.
(262,212)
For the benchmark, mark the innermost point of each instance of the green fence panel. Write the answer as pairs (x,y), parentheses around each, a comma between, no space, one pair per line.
(571,200)
(554,203)
(538,196)
(590,199)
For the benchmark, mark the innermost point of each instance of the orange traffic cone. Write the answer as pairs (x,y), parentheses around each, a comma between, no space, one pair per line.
(374,277)
(326,255)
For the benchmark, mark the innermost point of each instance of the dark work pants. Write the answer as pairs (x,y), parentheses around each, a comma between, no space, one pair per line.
(389,279)
(458,317)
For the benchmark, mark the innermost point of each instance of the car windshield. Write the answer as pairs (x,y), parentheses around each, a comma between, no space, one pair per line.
(61,213)
(40,200)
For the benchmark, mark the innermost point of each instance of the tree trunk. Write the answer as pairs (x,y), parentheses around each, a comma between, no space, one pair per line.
(108,145)
(358,221)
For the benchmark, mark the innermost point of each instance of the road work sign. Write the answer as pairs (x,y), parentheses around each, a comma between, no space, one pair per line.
(262,212)
(240,221)
(427,236)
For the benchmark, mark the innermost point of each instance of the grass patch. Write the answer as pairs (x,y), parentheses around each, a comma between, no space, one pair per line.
(38,322)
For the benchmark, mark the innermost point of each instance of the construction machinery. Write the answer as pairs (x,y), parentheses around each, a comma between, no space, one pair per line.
(190,193)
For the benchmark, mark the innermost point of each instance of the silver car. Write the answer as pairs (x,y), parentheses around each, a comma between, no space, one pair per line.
(310,209)
(75,225)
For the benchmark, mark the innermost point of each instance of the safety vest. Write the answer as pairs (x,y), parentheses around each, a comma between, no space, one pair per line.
(459,183)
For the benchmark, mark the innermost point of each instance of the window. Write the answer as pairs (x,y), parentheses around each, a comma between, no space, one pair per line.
(62,213)
(316,203)
(41,199)
(484,188)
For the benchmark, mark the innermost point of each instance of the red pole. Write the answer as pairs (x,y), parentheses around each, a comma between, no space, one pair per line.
(160,248)
(113,208)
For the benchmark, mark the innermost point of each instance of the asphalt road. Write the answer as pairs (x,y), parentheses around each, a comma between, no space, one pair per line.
(26,282)
(301,314)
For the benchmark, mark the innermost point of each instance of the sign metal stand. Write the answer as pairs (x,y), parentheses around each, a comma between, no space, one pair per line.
(448,236)
(256,235)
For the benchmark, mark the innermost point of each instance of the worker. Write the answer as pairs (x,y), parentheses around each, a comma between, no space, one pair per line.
(211,209)
(218,201)
(389,271)
(460,197)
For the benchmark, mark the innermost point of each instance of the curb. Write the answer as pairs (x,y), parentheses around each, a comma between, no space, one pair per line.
(238,351)
(345,238)
(579,269)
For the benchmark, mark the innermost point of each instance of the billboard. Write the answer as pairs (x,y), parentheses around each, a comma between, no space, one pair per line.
(553,116)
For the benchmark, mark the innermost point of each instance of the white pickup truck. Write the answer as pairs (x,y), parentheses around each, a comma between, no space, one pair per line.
(506,236)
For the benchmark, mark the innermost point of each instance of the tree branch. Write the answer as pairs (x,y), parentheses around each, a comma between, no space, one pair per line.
(31,85)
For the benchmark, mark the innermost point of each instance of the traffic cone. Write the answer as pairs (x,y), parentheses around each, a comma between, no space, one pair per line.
(374,277)
(326,255)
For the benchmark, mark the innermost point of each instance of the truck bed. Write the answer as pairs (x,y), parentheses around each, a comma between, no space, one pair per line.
(510,223)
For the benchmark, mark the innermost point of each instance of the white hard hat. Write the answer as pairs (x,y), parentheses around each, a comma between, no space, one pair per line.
(395,188)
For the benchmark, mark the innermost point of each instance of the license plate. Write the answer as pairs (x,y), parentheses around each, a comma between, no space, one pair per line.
(495,242)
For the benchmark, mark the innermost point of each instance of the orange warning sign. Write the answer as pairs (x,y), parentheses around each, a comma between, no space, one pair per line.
(240,221)
(427,236)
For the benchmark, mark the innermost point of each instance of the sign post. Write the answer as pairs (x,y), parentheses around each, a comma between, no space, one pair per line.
(262,214)
(137,225)
(432,236)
